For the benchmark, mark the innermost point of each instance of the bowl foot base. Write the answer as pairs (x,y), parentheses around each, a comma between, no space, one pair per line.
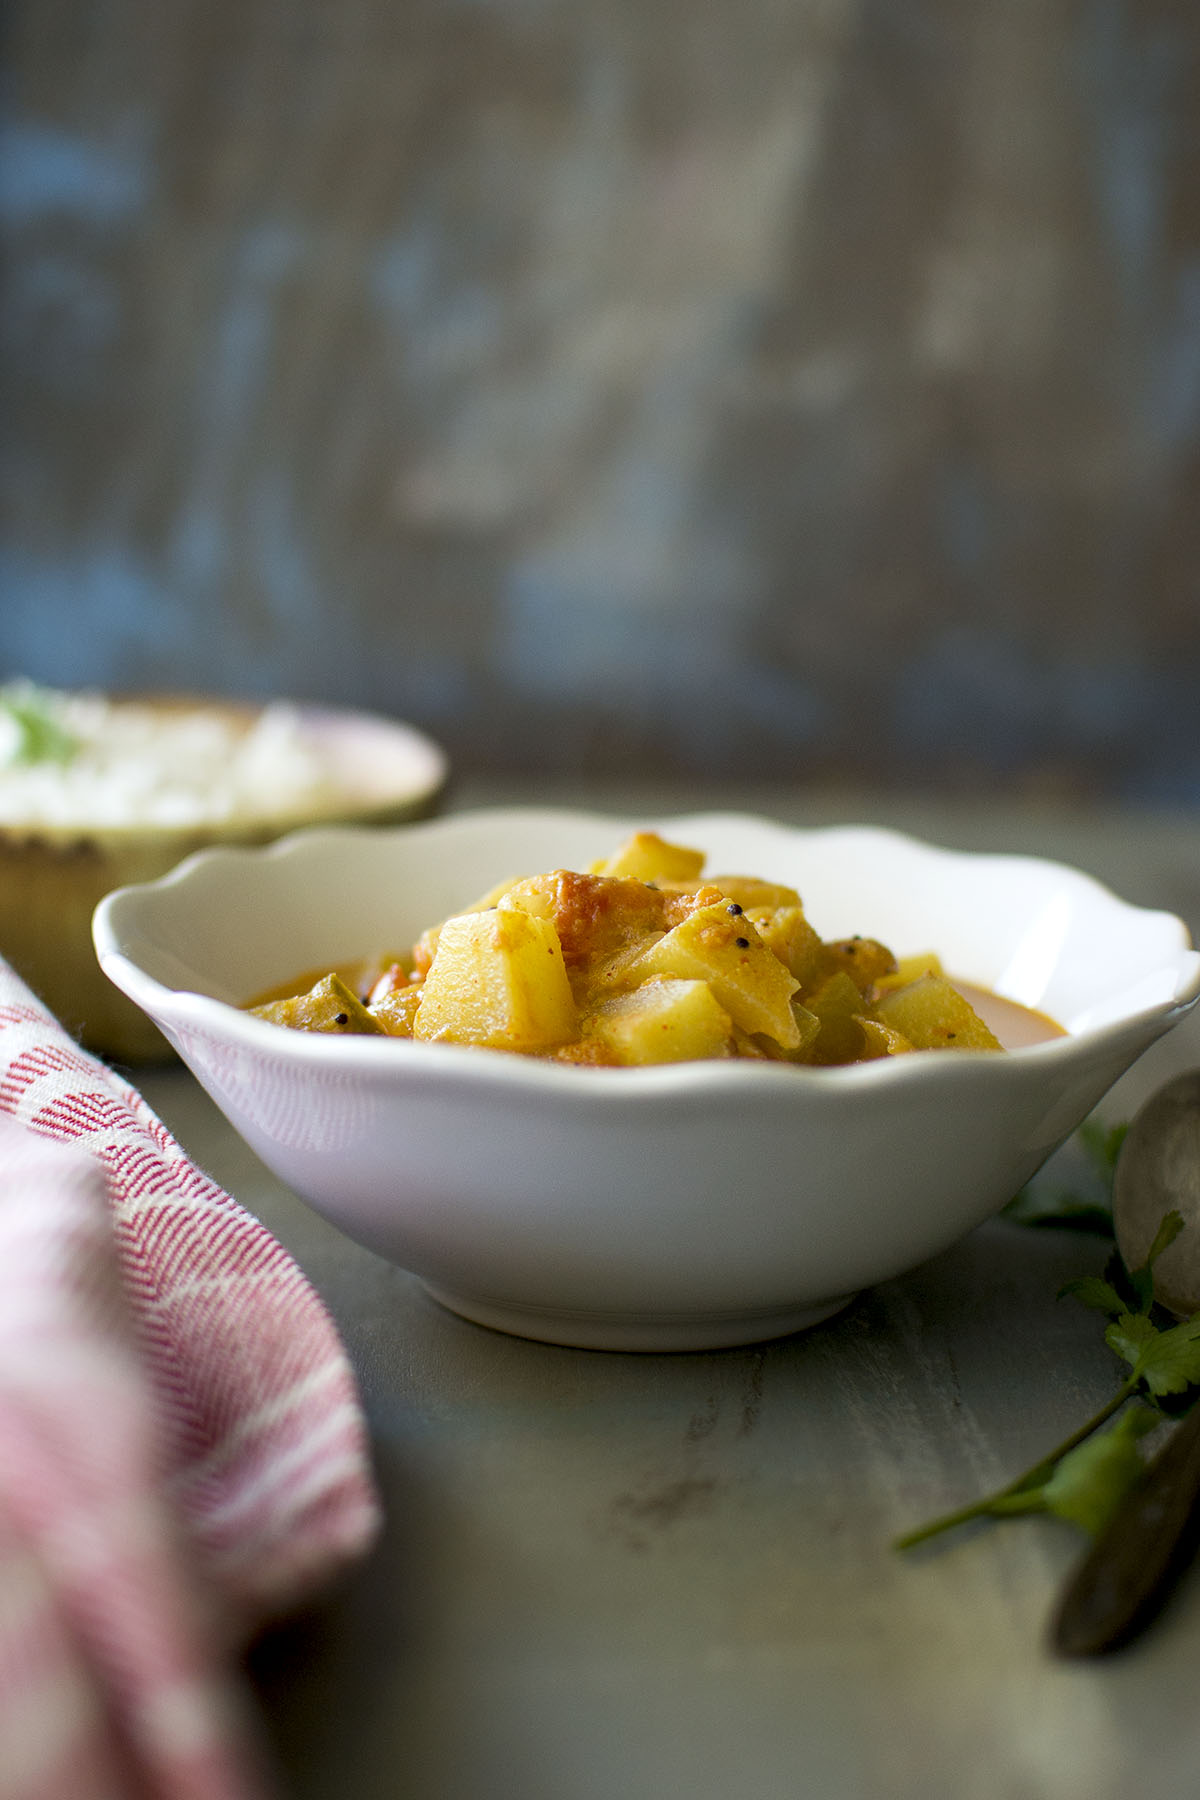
(636,1331)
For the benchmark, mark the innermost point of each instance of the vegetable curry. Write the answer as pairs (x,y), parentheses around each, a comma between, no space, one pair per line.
(642,959)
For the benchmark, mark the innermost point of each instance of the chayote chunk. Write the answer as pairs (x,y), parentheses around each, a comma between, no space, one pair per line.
(329,1006)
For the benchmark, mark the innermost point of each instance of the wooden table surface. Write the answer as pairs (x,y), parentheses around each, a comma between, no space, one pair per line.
(627,1576)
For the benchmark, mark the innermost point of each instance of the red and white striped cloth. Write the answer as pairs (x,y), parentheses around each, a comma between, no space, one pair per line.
(182,1451)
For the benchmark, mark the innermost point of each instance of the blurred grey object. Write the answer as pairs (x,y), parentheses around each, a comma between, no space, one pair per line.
(805,391)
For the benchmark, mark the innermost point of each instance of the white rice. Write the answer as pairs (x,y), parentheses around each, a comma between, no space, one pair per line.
(135,766)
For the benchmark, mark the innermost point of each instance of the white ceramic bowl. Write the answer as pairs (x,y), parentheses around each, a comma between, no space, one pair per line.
(675,1207)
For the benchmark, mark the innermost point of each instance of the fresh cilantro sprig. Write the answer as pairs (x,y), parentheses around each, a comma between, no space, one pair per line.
(1089,1475)
(1119,1290)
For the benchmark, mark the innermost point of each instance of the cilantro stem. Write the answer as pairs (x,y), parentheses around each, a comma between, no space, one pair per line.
(1033,1477)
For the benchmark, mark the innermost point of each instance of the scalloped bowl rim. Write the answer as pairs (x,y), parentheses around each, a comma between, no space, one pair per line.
(167,1002)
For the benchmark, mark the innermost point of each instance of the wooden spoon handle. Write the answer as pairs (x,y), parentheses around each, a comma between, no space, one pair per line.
(1126,1576)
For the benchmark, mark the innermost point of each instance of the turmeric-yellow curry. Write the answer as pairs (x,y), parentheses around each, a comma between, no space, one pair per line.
(642,960)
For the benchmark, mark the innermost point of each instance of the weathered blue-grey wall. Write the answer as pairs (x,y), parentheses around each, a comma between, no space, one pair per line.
(795,386)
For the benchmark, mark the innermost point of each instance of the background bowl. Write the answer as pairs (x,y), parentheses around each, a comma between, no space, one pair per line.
(674,1207)
(53,875)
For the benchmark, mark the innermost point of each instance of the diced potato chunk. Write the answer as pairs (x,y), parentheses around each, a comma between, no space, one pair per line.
(617,973)
(863,959)
(424,951)
(425,948)
(498,981)
(837,1004)
(909,968)
(881,1040)
(786,931)
(533,894)
(329,1006)
(933,1015)
(721,947)
(807,1026)
(664,1020)
(751,891)
(396,1009)
(648,857)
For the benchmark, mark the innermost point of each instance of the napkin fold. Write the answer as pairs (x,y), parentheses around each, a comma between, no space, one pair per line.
(182,1450)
